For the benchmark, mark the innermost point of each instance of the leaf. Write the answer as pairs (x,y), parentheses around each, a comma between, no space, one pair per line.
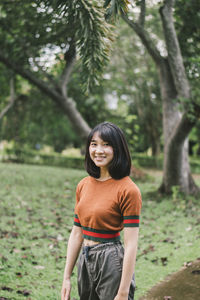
(24,293)
(14,234)
(155,261)
(6,288)
(106,3)
(168,240)
(150,248)
(39,267)
(16,250)
(60,237)
(164,261)
(196,272)
(189,228)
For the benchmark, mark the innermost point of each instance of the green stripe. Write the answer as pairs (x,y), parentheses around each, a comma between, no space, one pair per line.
(131,217)
(77,224)
(99,231)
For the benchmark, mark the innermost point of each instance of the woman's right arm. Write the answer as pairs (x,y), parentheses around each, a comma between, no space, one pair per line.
(74,245)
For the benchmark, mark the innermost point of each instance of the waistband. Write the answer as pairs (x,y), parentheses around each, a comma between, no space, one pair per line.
(99,247)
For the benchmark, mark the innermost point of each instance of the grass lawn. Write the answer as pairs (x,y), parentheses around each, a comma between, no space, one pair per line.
(36,215)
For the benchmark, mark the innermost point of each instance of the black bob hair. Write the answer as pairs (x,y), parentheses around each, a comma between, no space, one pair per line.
(120,166)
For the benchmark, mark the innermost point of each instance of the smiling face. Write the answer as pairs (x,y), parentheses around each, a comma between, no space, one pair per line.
(101,153)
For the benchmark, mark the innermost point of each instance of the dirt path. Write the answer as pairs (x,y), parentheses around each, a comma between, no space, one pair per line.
(182,285)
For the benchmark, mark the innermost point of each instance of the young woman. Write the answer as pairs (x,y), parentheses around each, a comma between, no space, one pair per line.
(107,201)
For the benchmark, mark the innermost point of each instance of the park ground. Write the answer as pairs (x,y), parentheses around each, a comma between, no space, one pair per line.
(36,215)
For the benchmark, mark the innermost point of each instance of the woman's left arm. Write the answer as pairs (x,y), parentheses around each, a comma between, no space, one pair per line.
(130,246)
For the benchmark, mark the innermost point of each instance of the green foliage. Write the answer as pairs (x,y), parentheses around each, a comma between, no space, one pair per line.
(113,7)
(5,76)
(36,27)
(133,82)
(93,106)
(35,119)
(195,140)
(91,34)
(39,158)
(175,193)
(188,29)
(148,161)
(48,28)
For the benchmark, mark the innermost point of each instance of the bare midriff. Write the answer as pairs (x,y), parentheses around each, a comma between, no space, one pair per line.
(89,242)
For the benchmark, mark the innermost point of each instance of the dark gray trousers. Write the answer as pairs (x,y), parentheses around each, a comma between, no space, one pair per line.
(100,270)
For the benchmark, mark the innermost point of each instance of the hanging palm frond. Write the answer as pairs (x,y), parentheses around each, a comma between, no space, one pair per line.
(113,7)
(92,35)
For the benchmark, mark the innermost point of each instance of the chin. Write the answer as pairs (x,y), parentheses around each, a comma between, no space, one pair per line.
(100,165)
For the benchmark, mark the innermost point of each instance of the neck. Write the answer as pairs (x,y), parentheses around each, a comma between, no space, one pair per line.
(104,174)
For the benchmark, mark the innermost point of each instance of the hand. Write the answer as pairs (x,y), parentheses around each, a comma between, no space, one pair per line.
(66,289)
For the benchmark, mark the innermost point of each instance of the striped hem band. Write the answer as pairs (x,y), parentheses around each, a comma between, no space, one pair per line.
(131,221)
(100,235)
(76,221)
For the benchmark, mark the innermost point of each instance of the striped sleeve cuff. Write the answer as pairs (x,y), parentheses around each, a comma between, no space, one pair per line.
(76,221)
(131,221)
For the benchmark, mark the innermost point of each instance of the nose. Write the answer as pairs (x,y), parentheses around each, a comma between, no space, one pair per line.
(99,149)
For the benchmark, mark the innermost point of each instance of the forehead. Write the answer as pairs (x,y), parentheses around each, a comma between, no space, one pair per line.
(96,136)
(103,135)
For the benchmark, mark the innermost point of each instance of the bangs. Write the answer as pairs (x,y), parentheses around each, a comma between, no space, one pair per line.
(106,134)
(113,135)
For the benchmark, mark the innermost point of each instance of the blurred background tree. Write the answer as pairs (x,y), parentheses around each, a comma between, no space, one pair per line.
(62,48)
(181,106)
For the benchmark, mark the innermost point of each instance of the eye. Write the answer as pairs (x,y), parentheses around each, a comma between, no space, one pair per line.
(106,144)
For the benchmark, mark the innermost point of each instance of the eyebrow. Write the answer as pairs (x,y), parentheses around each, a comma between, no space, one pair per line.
(96,141)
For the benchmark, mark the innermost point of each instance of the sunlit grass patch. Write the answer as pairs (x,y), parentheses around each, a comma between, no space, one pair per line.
(169,237)
(36,215)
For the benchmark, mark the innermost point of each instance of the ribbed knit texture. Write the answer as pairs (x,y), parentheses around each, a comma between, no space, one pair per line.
(104,208)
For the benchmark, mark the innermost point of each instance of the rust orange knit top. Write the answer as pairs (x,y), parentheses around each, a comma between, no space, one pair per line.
(104,208)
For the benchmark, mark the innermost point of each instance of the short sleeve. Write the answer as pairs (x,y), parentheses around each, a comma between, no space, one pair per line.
(130,205)
(76,218)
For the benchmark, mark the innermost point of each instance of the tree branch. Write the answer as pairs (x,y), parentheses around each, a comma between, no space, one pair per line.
(30,76)
(12,99)
(174,52)
(141,19)
(145,38)
(67,105)
(70,58)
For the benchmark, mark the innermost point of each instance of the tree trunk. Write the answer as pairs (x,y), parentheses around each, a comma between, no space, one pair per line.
(177,125)
(176,169)
(173,84)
